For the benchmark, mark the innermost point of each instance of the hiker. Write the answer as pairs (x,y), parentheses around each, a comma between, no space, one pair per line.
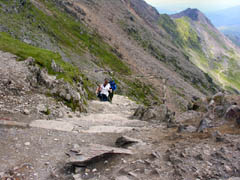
(103,91)
(114,88)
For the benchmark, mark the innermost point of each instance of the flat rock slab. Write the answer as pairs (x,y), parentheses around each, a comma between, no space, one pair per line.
(107,129)
(234,178)
(53,125)
(86,155)
(13,124)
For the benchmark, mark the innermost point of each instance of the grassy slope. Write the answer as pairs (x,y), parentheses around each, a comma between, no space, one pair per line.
(43,57)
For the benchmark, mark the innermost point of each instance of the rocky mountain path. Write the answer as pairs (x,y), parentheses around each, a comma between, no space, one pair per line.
(102,117)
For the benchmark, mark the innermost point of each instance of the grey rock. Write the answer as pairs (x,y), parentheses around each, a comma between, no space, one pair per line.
(30,61)
(153,113)
(68,97)
(233,113)
(218,98)
(77,177)
(186,128)
(93,151)
(203,125)
(55,67)
(42,108)
(26,112)
(219,111)
(234,178)
(124,141)
(27,143)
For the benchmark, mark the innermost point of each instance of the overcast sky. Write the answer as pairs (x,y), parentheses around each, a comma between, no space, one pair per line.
(203,5)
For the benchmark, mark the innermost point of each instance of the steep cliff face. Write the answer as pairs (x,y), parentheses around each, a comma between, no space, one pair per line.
(125,39)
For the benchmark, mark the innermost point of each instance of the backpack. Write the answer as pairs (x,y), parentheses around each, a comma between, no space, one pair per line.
(113,85)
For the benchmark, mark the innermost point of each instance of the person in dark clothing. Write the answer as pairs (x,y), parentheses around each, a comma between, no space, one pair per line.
(113,88)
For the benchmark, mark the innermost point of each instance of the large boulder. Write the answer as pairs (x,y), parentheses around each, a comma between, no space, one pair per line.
(233,113)
(55,67)
(219,111)
(218,98)
(70,94)
(153,113)
(39,77)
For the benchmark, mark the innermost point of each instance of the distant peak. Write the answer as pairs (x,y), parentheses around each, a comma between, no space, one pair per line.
(193,14)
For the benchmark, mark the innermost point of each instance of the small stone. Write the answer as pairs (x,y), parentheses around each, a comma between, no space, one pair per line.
(78,170)
(77,177)
(199,157)
(94,170)
(228,169)
(106,162)
(26,112)
(27,143)
(133,174)
(46,163)
(87,170)
(124,161)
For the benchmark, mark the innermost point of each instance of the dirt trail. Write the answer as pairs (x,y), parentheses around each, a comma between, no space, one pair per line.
(102,117)
(44,143)
(40,151)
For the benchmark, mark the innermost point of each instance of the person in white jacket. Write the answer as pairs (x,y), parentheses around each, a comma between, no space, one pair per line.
(103,91)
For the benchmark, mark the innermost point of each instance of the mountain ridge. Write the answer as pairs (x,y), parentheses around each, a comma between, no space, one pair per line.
(213,44)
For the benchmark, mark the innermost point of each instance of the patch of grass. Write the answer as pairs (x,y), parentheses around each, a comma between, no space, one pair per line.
(171,28)
(188,35)
(42,57)
(141,92)
(174,89)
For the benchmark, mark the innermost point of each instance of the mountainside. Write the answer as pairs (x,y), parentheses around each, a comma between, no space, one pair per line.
(130,42)
(228,22)
(215,54)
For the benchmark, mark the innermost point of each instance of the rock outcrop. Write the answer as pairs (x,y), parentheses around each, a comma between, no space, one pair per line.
(153,113)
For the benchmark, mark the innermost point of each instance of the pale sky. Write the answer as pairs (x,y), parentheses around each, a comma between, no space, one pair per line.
(203,5)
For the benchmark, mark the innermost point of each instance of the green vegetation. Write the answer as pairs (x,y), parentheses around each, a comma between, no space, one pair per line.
(177,91)
(188,35)
(171,28)
(42,57)
(140,92)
